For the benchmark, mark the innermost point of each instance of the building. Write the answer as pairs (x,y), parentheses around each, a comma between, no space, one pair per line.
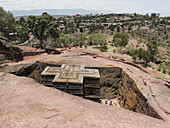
(73,79)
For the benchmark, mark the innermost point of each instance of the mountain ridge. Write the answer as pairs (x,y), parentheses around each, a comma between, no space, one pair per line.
(56,12)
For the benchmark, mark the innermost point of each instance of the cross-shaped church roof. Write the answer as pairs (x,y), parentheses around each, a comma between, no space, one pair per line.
(69,73)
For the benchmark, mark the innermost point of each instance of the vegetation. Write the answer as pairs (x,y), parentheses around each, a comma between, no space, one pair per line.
(164,67)
(42,27)
(147,55)
(120,39)
(7,25)
(151,33)
(22,33)
(8,33)
(65,41)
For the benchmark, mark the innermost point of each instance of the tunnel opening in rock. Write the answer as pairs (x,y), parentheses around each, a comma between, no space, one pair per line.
(113,83)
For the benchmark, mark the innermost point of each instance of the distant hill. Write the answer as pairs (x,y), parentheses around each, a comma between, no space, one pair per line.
(56,12)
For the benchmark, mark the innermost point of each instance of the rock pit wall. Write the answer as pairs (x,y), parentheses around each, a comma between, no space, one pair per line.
(130,97)
(114,83)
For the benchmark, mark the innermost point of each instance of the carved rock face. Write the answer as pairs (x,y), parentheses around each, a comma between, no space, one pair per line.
(114,83)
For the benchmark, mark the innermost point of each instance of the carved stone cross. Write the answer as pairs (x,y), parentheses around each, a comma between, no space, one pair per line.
(70,73)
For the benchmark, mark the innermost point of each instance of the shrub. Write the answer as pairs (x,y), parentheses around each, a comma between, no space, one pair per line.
(131,49)
(164,71)
(103,48)
(121,50)
(85,44)
(124,39)
(114,50)
(117,41)
(159,69)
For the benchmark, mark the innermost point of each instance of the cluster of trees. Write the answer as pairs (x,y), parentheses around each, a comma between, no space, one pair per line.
(147,55)
(46,26)
(98,39)
(120,39)
(71,40)
(165,67)
(65,41)
(93,28)
(22,33)
(42,27)
(80,39)
(96,21)
(7,24)
(8,33)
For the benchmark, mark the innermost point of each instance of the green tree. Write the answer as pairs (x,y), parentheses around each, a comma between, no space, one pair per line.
(100,39)
(8,33)
(22,21)
(81,29)
(65,41)
(77,24)
(71,27)
(66,30)
(91,39)
(117,42)
(112,27)
(81,39)
(85,44)
(52,30)
(41,26)
(152,49)
(153,15)
(124,39)
(103,47)
(7,24)
(91,28)
(118,28)
(130,27)
(22,31)
(147,55)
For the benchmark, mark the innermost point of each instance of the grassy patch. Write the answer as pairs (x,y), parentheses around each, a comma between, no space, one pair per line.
(161,77)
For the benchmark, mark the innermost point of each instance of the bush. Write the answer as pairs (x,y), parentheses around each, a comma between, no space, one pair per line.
(124,39)
(114,50)
(103,48)
(97,39)
(121,50)
(159,69)
(85,44)
(164,71)
(131,49)
(117,41)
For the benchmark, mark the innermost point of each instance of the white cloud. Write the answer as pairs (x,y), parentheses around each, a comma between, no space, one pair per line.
(140,6)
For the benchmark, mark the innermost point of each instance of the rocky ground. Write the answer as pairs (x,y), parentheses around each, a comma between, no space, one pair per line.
(25,103)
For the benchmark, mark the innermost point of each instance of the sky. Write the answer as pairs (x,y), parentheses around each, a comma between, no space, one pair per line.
(123,6)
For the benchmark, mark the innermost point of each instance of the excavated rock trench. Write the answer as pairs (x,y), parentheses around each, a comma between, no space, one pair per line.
(114,83)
